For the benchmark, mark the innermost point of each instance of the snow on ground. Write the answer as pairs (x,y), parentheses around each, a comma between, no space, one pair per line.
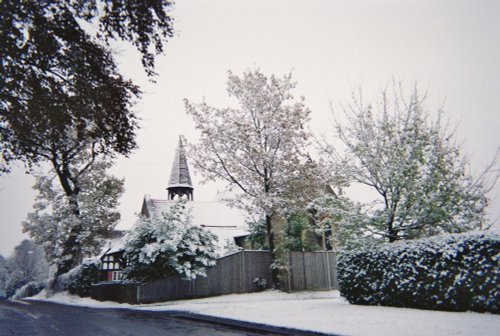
(318,311)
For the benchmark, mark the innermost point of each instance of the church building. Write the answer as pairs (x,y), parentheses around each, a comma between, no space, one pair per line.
(228,224)
(225,222)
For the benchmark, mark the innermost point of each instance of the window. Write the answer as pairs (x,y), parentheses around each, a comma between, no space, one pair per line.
(116,276)
(110,262)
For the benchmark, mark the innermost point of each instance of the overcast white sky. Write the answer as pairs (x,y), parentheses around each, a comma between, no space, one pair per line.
(450,47)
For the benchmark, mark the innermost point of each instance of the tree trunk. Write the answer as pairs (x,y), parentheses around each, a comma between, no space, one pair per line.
(392,233)
(275,279)
(276,224)
(71,246)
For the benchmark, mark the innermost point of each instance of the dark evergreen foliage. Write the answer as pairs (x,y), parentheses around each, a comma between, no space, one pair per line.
(258,235)
(300,235)
(80,279)
(62,98)
(458,272)
(59,82)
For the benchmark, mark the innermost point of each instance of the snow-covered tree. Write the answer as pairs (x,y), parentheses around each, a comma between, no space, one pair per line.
(412,162)
(72,227)
(3,277)
(258,234)
(300,234)
(27,264)
(158,247)
(340,222)
(29,260)
(258,147)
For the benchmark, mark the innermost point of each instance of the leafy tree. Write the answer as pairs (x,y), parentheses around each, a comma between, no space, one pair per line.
(339,222)
(300,234)
(423,181)
(259,147)
(60,80)
(297,234)
(158,247)
(3,276)
(27,264)
(62,99)
(29,260)
(258,234)
(72,228)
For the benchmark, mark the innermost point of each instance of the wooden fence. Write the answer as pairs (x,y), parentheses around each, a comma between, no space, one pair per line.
(311,271)
(236,273)
(232,274)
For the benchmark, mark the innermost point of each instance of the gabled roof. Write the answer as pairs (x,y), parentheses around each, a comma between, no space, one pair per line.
(114,243)
(180,176)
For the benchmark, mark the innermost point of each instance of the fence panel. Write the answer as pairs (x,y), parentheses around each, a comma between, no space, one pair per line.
(236,273)
(223,278)
(232,274)
(171,288)
(257,265)
(311,271)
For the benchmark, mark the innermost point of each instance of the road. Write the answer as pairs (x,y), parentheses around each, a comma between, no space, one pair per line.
(44,319)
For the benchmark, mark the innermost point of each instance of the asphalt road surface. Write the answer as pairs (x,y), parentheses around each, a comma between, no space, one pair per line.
(44,318)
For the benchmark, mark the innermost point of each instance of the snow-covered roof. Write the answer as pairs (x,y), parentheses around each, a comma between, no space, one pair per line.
(115,243)
(223,221)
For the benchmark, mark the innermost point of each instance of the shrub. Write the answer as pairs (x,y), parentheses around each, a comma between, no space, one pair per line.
(161,246)
(457,272)
(80,279)
(30,289)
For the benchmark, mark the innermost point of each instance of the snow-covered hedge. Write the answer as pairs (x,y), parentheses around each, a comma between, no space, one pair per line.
(80,279)
(455,272)
(30,289)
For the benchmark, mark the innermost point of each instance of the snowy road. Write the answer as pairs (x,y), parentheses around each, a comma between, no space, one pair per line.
(43,318)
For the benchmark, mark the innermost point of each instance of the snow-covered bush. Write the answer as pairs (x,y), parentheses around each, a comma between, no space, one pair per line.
(30,289)
(161,246)
(261,284)
(79,280)
(457,272)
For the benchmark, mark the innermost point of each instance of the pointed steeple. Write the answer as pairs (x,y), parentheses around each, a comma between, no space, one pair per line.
(180,180)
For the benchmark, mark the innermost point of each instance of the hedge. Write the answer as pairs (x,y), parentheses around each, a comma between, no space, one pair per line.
(457,272)
(79,280)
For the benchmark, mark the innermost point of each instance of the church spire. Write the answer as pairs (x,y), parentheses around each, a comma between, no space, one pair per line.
(180,180)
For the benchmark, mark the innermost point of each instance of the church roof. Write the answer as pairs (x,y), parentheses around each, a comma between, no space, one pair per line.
(223,221)
(180,176)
